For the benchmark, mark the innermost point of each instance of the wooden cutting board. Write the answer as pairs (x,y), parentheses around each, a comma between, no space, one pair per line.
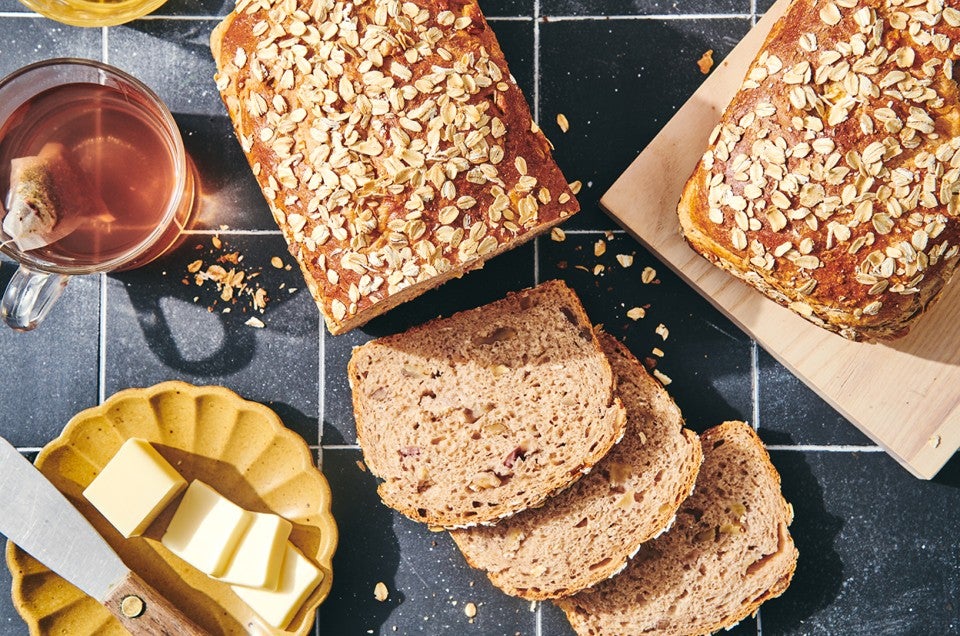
(905,395)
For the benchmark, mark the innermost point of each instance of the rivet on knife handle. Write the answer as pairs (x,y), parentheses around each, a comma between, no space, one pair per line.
(142,610)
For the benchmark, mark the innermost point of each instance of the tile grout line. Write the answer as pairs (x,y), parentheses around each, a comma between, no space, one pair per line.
(503,18)
(232,232)
(102,342)
(815,448)
(537,620)
(652,18)
(753,12)
(755,383)
(321,390)
(104,45)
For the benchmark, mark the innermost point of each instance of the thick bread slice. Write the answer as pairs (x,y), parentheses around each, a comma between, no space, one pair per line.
(728,552)
(475,417)
(588,532)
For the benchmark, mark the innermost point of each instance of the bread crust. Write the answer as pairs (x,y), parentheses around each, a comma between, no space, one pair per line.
(386,175)
(847,215)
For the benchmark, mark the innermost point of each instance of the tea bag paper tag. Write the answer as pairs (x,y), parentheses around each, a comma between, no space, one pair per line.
(45,199)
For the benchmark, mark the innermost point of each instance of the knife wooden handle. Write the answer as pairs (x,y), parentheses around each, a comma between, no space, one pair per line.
(142,610)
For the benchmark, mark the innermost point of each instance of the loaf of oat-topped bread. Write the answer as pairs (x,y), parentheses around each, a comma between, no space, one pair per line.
(831,183)
(393,146)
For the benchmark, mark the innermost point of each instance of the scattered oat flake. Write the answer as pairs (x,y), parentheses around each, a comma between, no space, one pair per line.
(636,313)
(575,187)
(558,235)
(380,591)
(648,275)
(663,377)
(217,243)
(276,262)
(598,269)
(195,266)
(706,62)
(562,122)
(599,248)
(662,331)
(361,465)
(253,321)
(470,610)
(625,260)
(657,351)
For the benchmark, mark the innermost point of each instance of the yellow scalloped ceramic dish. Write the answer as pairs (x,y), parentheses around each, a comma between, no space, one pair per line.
(241,448)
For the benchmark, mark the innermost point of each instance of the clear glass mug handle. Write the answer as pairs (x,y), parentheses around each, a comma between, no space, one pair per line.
(29,296)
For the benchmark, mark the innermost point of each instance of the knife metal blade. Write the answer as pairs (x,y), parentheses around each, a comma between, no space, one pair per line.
(41,521)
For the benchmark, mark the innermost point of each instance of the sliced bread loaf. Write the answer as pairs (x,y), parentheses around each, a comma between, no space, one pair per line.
(475,417)
(589,531)
(729,551)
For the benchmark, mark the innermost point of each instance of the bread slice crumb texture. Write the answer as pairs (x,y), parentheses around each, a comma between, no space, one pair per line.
(475,417)
(728,552)
(587,533)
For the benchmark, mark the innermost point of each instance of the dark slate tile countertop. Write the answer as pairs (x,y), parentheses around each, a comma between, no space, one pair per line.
(879,550)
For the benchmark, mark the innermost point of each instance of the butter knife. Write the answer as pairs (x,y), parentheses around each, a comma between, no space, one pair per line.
(41,521)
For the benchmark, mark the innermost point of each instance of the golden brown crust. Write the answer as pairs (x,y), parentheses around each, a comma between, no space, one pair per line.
(832,182)
(393,146)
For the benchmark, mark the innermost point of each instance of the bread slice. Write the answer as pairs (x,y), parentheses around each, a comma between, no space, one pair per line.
(836,198)
(728,552)
(390,140)
(588,532)
(475,417)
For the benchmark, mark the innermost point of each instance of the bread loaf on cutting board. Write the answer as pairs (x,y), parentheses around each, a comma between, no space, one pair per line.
(392,145)
(831,183)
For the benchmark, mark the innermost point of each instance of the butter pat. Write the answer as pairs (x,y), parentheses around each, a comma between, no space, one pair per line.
(206,529)
(298,578)
(259,556)
(134,487)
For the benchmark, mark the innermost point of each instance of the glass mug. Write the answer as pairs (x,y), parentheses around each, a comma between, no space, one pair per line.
(93,176)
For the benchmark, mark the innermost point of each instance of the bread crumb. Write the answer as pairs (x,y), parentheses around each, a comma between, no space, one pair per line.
(253,321)
(663,377)
(648,275)
(662,331)
(558,235)
(706,62)
(625,260)
(562,122)
(599,248)
(470,610)
(636,313)
(380,591)
(276,262)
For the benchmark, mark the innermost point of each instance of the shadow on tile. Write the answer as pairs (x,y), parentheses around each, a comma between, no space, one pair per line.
(949,475)
(368,552)
(819,576)
(152,296)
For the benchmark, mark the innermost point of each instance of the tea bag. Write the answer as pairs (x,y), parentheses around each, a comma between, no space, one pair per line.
(47,200)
